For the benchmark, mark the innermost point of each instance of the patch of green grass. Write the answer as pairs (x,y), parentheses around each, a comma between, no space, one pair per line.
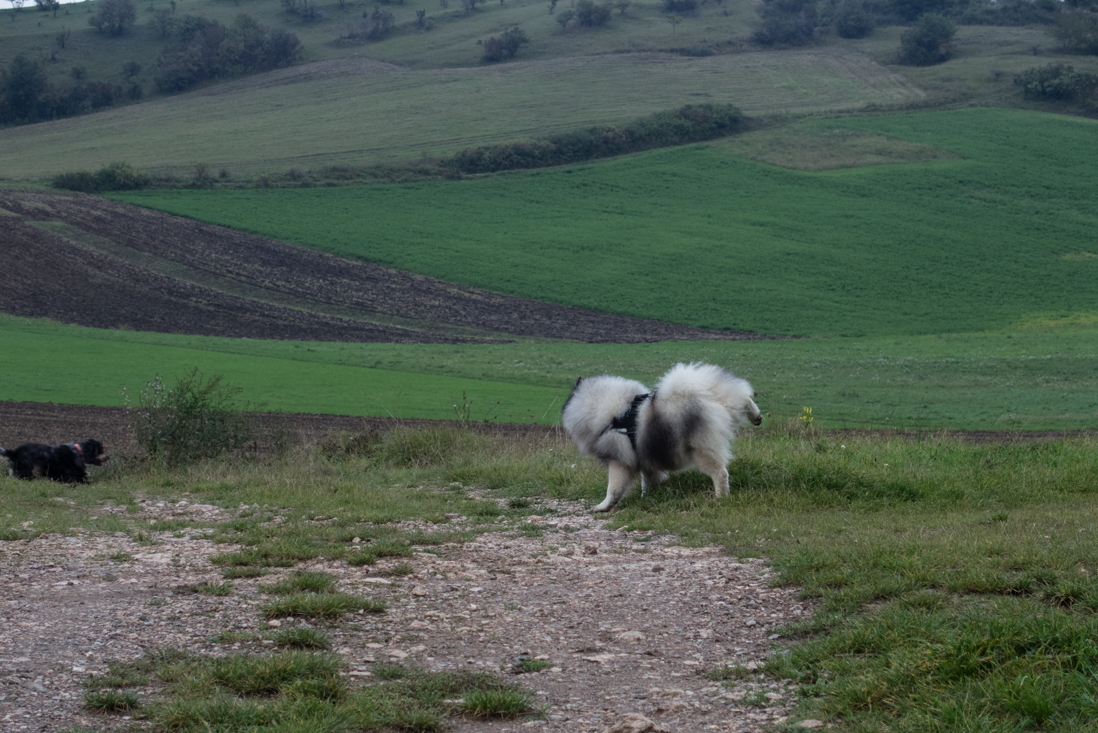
(254,557)
(111,701)
(399,571)
(302,638)
(302,582)
(243,572)
(414,700)
(259,675)
(234,637)
(209,589)
(527,666)
(725,673)
(389,672)
(305,692)
(495,703)
(320,605)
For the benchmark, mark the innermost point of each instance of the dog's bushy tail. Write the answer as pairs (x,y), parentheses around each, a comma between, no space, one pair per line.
(3,452)
(707,382)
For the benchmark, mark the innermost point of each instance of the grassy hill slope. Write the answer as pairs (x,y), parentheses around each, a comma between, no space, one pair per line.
(358,112)
(696,235)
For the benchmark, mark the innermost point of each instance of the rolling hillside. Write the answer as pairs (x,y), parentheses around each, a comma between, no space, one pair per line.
(994,229)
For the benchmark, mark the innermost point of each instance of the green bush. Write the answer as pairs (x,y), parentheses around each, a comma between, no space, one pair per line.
(114,177)
(591,15)
(195,419)
(1056,81)
(929,42)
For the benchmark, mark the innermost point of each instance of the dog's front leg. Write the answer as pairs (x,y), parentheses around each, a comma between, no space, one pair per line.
(621,477)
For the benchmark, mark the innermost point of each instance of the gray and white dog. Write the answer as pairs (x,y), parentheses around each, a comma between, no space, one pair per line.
(689,420)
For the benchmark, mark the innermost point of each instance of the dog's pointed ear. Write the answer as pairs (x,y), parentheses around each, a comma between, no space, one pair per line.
(578,380)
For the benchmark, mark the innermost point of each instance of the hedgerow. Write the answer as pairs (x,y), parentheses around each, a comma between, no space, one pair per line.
(692,123)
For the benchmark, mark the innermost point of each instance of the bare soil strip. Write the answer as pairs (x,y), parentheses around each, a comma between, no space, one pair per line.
(92,262)
(37,422)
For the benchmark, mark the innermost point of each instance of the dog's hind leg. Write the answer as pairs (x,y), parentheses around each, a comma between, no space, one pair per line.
(716,470)
(650,480)
(621,478)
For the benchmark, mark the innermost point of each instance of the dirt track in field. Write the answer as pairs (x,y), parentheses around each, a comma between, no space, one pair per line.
(26,422)
(92,262)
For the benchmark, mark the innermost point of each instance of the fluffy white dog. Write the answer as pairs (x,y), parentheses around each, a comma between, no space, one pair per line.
(688,421)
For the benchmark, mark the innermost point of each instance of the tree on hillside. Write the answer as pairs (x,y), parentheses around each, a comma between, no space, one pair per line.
(929,42)
(851,20)
(48,6)
(514,38)
(786,23)
(1077,30)
(23,87)
(565,17)
(591,15)
(507,44)
(114,16)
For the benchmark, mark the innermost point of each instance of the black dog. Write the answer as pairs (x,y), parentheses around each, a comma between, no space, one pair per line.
(67,463)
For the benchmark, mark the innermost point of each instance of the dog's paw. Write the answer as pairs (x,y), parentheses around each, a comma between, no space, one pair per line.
(603,507)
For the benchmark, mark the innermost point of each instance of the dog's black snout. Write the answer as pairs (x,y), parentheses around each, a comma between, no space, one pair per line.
(757,419)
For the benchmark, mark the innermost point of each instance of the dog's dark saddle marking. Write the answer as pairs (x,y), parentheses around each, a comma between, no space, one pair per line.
(626,423)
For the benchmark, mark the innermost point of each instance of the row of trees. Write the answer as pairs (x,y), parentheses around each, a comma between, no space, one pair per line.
(26,94)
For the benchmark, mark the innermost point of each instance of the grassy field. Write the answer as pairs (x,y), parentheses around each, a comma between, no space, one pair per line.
(282,382)
(359,112)
(997,234)
(954,585)
(1042,377)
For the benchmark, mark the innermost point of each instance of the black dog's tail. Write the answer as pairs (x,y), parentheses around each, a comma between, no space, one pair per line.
(3,452)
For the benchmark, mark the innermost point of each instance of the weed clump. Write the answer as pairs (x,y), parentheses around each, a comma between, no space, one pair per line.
(195,419)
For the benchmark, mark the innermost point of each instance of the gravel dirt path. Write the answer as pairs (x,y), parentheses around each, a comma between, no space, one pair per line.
(628,622)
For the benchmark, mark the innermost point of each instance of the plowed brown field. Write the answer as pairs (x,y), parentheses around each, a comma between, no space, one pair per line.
(92,262)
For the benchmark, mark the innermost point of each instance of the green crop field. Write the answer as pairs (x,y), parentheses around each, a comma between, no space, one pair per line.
(359,112)
(38,360)
(1044,377)
(997,235)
